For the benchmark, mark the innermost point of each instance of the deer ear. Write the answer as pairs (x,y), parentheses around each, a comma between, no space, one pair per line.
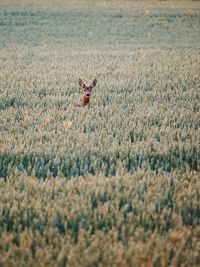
(81,83)
(94,83)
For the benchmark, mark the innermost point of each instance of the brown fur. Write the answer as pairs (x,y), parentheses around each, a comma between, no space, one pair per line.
(86,92)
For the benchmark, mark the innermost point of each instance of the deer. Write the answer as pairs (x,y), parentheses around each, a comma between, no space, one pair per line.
(86,92)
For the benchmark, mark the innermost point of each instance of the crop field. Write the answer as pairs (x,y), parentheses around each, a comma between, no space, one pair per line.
(115,183)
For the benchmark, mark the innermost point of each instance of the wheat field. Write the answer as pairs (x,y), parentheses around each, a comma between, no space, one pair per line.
(115,183)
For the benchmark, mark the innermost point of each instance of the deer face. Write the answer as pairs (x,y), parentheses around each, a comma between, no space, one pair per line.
(87,88)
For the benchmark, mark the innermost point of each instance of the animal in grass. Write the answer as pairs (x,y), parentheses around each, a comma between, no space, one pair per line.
(86,92)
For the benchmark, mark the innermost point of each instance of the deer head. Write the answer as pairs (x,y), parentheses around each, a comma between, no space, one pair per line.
(87,88)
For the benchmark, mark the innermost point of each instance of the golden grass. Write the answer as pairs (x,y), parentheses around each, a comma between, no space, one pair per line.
(115,184)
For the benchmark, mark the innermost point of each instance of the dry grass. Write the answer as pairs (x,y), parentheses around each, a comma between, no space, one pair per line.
(110,185)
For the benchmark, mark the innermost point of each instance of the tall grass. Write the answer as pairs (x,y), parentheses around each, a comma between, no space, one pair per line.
(116,183)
